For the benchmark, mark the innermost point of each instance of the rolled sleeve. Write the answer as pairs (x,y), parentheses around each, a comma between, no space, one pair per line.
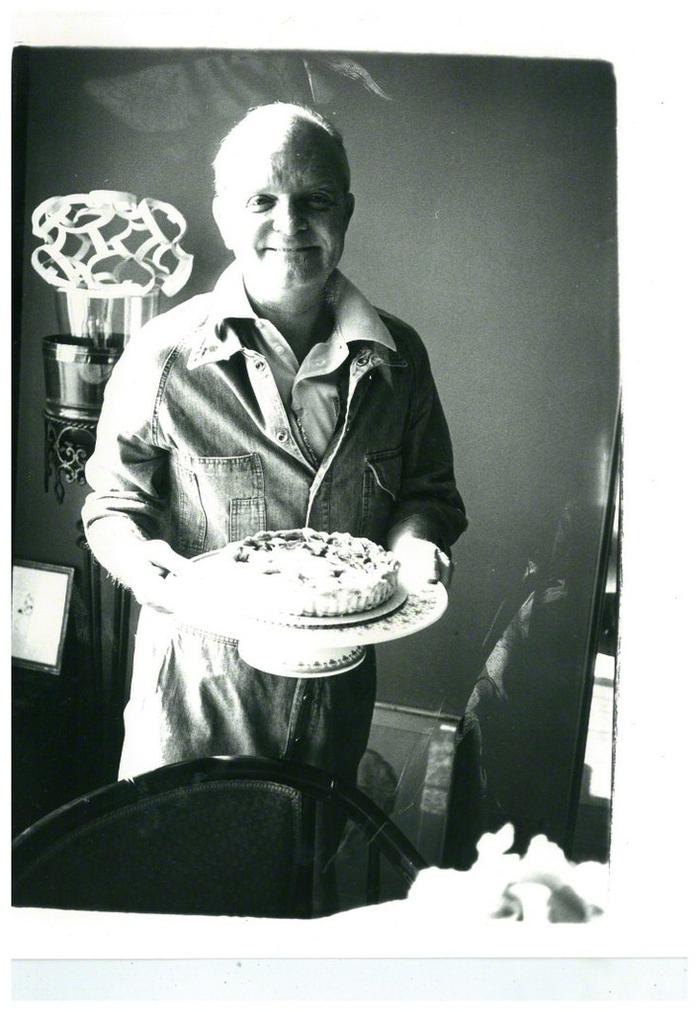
(128,469)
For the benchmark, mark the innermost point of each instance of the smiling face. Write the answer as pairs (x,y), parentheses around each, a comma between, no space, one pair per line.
(283,210)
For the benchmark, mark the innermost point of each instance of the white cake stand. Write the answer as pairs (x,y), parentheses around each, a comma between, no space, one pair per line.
(308,647)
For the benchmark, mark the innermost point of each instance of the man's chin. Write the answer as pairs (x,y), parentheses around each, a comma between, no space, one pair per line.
(289,281)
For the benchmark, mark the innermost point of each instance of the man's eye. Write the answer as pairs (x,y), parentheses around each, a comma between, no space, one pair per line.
(319,201)
(260,202)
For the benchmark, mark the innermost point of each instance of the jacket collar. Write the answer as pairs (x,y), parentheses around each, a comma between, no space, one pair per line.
(355,318)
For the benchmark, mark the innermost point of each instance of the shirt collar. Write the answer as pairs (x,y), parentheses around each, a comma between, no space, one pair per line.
(355,318)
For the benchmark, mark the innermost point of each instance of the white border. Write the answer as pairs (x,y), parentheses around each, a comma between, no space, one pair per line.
(649,45)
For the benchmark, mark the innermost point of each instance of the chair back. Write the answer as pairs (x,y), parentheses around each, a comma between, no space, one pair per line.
(243,836)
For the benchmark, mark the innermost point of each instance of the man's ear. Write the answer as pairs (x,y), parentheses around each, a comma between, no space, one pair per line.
(222,219)
(349,207)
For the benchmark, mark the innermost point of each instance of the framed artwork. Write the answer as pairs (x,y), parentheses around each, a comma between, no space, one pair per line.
(40,605)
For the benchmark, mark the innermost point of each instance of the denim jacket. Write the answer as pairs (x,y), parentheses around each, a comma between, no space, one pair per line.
(194,446)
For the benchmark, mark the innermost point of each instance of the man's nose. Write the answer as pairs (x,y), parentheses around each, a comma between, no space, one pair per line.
(288,217)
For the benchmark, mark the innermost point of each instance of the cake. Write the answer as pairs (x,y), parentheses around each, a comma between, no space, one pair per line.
(312,573)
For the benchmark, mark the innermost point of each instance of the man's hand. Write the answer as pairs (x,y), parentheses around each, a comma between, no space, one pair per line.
(156,561)
(421,562)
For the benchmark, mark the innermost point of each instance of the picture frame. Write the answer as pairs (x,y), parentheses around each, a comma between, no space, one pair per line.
(41,595)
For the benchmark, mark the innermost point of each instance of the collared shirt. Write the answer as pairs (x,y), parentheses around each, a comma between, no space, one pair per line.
(194,446)
(309,392)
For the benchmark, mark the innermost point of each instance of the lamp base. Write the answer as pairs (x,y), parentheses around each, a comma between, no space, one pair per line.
(68,443)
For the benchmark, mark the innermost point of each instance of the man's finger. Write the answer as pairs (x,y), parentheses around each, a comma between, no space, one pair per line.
(445,567)
(157,592)
(160,554)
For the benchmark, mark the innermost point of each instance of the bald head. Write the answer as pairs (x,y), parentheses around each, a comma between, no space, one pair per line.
(282,202)
(266,130)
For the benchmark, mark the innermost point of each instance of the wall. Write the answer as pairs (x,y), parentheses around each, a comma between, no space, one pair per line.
(485,217)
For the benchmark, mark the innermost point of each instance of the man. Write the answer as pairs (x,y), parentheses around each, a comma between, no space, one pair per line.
(282,399)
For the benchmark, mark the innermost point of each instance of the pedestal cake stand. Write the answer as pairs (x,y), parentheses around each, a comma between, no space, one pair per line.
(302,646)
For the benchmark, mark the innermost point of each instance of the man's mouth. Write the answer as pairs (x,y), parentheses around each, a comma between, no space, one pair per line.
(289,249)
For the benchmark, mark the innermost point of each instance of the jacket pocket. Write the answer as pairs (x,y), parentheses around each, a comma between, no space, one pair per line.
(246,516)
(217,500)
(380,490)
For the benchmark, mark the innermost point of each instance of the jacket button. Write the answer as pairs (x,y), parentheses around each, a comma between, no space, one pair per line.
(259,364)
(282,435)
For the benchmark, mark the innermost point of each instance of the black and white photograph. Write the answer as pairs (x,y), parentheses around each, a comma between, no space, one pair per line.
(316,404)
